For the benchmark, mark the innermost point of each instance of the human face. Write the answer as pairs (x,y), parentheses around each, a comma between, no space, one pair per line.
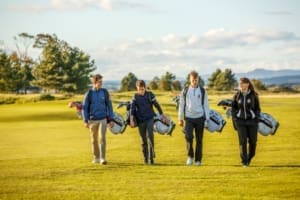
(244,86)
(194,81)
(98,84)
(141,90)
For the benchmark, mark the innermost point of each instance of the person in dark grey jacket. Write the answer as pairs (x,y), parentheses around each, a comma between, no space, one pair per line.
(97,112)
(245,115)
(142,111)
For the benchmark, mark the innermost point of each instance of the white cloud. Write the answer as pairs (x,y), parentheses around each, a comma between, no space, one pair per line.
(80,4)
(71,5)
(241,51)
(279,12)
(220,38)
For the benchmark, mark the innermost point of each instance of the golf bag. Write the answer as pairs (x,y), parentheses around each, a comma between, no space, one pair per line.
(176,101)
(216,122)
(119,124)
(267,124)
(163,127)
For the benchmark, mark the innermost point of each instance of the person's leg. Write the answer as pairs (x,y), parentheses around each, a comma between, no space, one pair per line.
(242,133)
(102,133)
(94,126)
(151,152)
(199,139)
(143,137)
(189,138)
(252,131)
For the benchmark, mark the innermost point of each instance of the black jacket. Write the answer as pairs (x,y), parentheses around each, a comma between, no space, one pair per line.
(245,107)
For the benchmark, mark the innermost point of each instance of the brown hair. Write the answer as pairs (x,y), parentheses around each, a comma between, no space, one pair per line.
(247,80)
(140,83)
(194,74)
(96,77)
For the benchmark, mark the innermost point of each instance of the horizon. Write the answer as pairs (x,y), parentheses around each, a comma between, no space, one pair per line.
(153,37)
(207,75)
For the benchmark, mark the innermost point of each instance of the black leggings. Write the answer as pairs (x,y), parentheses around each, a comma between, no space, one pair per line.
(247,131)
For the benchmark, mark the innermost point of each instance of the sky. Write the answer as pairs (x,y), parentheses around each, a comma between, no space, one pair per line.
(151,37)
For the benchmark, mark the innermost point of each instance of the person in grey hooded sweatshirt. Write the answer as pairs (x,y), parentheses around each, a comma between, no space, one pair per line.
(192,114)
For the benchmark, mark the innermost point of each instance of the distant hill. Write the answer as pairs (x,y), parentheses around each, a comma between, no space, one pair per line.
(269,77)
(282,80)
(266,74)
(112,85)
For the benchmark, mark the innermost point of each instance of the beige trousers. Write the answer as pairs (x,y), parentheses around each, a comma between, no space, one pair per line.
(98,138)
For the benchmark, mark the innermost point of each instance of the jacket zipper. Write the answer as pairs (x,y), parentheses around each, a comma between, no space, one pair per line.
(245,107)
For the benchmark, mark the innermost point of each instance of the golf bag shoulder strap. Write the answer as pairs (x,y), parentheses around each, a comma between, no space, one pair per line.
(149,96)
(202,90)
(106,96)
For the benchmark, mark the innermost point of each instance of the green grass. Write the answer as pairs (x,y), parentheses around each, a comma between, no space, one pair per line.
(45,153)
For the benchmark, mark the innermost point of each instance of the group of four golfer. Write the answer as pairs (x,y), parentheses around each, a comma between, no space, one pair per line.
(192,115)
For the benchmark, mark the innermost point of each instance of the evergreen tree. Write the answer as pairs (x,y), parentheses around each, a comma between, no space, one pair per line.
(5,71)
(128,83)
(176,85)
(225,80)
(165,83)
(61,67)
(23,41)
(212,79)
(258,84)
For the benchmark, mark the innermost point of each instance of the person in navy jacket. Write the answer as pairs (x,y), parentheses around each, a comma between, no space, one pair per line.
(141,115)
(97,112)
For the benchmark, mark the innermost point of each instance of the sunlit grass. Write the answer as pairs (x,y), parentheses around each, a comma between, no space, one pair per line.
(45,153)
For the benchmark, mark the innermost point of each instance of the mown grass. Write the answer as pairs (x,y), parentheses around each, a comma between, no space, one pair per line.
(45,154)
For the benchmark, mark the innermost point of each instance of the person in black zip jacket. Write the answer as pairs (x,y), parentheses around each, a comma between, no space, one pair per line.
(141,110)
(245,115)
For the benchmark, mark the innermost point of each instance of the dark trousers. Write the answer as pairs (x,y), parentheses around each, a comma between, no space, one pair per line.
(192,124)
(247,131)
(147,139)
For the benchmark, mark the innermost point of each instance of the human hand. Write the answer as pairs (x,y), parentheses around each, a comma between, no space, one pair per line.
(181,122)
(111,124)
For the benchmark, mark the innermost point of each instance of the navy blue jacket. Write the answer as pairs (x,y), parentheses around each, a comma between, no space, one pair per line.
(142,107)
(97,107)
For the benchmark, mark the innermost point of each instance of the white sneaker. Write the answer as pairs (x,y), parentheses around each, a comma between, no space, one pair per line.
(96,161)
(189,161)
(198,163)
(103,161)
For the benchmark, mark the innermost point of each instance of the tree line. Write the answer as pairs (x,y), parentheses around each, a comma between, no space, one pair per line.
(60,67)
(219,80)
(65,69)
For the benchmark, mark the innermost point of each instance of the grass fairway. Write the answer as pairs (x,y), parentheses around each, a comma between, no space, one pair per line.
(45,153)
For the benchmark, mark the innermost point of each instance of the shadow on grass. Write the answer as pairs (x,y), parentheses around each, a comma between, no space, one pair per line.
(40,117)
(258,166)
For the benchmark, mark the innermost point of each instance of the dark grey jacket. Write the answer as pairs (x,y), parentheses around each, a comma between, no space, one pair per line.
(246,106)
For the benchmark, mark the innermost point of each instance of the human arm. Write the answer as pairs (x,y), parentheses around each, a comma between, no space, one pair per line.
(132,112)
(181,109)
(85,110)
(206,106)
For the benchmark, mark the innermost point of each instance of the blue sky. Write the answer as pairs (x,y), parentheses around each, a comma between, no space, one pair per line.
(150,37)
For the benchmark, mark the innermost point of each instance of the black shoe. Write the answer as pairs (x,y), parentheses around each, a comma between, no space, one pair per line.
(151,162)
